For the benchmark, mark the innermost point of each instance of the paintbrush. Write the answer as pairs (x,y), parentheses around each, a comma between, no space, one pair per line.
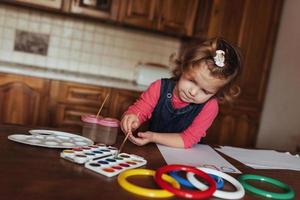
(122,145)
(102,106)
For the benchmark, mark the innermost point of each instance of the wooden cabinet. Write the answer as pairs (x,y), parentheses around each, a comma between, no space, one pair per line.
(23,100)
(121,100)
(53,4)
(177,16)
(141,13)
(41,102)
(252,25)
(69,101)
(170,16)
(103,9)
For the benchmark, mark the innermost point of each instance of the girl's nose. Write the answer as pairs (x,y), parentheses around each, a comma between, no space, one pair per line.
(192,92)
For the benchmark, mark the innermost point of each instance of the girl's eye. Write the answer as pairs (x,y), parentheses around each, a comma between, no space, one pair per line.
(206,92)
(193,81)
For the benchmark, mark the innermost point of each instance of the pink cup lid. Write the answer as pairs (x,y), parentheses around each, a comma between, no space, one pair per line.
(110,122)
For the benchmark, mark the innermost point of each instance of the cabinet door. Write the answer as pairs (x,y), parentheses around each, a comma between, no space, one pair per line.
(121,100)
(23,100)
(103,9)
(55,4)
(236,128)
(236,21)
(141,13)
(177,16)
(252,25)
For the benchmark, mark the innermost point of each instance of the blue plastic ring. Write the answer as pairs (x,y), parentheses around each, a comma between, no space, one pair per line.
(184,182)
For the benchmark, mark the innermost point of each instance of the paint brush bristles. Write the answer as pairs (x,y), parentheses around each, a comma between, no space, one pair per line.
(102,105)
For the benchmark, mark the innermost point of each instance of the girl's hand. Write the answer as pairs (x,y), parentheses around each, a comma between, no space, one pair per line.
(129,123)
(143,138)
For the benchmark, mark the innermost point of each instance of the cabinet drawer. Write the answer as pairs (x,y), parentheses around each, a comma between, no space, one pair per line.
(70,115)
(79,94)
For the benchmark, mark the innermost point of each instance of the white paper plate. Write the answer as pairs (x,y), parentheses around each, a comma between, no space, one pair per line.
(51,139)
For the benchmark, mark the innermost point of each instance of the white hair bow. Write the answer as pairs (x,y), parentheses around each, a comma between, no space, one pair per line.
(220,58)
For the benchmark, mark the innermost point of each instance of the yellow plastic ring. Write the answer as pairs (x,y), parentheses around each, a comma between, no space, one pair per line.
(154,193)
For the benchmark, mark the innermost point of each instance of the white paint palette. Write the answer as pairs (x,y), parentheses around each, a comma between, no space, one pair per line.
(51,139)
(111,166)
(84,154)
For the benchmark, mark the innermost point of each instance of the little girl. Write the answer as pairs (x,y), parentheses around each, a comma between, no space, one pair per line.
(182,108)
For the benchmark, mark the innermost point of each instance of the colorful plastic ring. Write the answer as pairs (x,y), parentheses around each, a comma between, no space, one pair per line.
(147,192)
(184,182)
(290,194)
(186,193)
(239,193)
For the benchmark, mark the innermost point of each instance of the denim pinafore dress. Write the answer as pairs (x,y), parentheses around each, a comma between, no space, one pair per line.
(165,118)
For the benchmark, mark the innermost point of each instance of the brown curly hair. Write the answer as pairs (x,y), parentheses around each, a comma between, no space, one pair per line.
(204,53)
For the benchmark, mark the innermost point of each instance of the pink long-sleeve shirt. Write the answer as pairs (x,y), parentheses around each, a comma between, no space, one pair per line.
(145,105)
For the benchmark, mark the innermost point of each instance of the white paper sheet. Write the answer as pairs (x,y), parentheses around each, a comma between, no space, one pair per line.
(199,155)
(263,159)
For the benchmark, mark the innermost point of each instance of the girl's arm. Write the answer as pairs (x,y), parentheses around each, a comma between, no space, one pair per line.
(188,137)
(146,103)
(193,134)
(142,109)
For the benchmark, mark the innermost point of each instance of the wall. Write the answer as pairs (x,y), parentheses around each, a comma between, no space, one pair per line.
(80,45)
(280,124)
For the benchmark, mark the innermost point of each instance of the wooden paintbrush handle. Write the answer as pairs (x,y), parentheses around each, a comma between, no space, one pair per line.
(122,145)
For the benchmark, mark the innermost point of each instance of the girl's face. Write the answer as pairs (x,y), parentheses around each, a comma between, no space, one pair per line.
(197,85)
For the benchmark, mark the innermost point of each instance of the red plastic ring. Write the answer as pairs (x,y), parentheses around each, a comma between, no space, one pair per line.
(191,194)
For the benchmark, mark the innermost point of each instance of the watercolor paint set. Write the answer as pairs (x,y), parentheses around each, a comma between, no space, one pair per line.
(111,165)
(51,139)
(84,154)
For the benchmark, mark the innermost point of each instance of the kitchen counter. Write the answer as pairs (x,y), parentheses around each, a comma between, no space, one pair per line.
(64,75)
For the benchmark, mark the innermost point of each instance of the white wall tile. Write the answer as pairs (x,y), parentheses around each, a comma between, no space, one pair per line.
(81,45)
(97,48)
(46,18)
(10,22)
(67,32)
(66,43)
(8,45)
(87,47)
(73,65)
(22,24)
(88,36)
(69,23)
(77,34)
(34,26)
(8,33)
(89,27)
(51,62)
(45,28)
(52,51)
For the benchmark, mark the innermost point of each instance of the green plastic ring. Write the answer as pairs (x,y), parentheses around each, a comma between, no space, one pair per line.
(289,194)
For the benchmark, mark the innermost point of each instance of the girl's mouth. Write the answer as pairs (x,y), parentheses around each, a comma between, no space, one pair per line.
(186,98)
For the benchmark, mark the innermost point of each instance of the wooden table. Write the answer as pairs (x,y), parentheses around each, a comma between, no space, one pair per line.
(37,173)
